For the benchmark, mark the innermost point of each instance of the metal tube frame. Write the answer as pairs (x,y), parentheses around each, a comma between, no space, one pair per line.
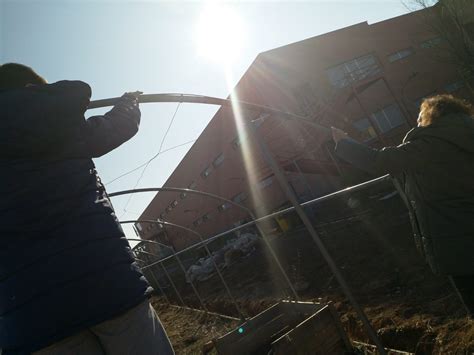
(268,156)
(271,215)
(208,252)
(173,284)
(207,100)
(154,278)
(159,287)
(174,254)
(216,197)
(277,171)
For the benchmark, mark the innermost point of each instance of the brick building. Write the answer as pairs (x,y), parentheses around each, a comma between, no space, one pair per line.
(366,79)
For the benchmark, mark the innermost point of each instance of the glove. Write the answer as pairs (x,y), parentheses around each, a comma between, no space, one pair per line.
(128,106)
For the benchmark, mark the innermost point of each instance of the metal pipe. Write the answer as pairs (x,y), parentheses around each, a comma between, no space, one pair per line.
(184,271)
(159,287)
(217,197)
(399,103)
(274,214)
(369,117)
(208,100)
(208,252)
(172,283)
(174,254)
(147,241)
(191,282)
(317,240)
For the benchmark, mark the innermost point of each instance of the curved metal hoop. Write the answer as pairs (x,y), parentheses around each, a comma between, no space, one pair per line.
(217,197)
(209,100)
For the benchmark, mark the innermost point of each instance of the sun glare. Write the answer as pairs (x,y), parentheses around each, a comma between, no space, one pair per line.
(219,33)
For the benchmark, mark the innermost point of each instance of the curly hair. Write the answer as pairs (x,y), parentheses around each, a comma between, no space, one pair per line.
(16,76)
(435,107)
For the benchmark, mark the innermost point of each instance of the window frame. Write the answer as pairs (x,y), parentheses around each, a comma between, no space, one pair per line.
(240,197)
(218,160)
(224,206)
(392,59)
(353,70)
(387,118)
(206,172)
(266,182)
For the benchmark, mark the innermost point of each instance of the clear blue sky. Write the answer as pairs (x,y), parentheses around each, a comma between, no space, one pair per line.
(119,46)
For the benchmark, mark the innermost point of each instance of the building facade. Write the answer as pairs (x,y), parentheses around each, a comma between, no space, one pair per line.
(366,79)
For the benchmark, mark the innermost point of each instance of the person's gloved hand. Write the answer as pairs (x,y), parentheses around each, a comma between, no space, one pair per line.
(128,105)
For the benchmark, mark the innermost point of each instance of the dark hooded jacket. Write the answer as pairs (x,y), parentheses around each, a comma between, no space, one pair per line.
(435,165)
(64,261)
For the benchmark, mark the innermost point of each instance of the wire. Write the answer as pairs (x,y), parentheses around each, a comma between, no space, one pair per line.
(142,165)
(151,159)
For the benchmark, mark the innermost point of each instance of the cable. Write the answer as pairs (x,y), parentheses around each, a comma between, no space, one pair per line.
(142,165)
(151,159)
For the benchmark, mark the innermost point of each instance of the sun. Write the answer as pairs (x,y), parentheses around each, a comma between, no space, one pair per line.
(220,33)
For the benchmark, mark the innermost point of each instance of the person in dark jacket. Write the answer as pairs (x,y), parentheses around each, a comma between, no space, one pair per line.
(68,280)
(435,165)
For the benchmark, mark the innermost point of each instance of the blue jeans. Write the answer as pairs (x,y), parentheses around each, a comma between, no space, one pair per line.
(136,332)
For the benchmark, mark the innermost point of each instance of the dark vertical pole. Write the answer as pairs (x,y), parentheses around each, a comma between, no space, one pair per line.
(190,281)
(172,284)
(159,287)
(317,240)
(399,103)
(308,186)
(369,116)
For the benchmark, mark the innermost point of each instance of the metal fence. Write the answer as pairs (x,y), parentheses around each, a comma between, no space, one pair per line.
(377,202)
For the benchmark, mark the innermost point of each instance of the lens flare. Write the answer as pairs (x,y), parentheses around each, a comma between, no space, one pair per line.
(220,33)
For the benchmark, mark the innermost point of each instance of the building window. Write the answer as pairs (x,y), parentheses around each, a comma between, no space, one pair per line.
(262,184)
(182,195)
(433,42)
(224,206)
(207,217)
(174,203)
(354,70)
(206,172)
(366,129)
(197,222)
(236,143)
(218,161)
(388,118)
(241,197)
(168,209)
(192,185)
(454,86)
(400,55)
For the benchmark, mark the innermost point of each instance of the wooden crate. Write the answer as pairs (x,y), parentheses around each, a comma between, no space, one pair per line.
(288,328)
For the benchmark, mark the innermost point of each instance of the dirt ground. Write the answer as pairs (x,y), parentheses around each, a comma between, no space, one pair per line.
(188,330)
(411,309)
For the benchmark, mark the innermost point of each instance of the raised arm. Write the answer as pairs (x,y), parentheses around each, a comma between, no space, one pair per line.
(98,135)
(47,121)
(405,157)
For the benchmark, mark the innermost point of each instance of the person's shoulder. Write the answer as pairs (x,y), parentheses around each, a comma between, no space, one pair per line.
(67,87)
